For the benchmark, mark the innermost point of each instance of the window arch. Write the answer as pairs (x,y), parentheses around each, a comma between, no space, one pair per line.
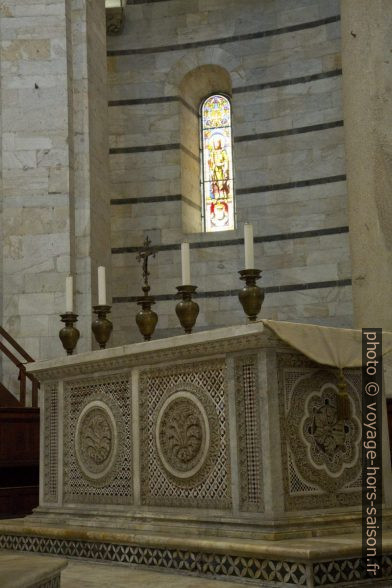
(217,185)
(197,84)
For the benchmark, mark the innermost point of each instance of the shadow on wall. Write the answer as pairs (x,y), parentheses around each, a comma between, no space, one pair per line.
(194,87)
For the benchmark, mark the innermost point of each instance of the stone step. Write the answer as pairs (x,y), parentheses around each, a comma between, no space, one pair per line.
(21,570)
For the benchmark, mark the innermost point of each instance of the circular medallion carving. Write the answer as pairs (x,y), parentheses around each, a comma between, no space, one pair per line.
(96,440)
(332,444)
(325,450)
(186,428)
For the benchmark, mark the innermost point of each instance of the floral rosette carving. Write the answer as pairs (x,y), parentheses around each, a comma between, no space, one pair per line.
(182,434)
(96,440)
(187,435)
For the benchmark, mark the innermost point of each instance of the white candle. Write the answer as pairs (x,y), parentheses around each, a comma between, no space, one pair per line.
(185,264)
(69,294)
(101,285)
(249,253)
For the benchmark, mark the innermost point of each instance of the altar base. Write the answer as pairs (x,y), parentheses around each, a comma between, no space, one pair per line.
(218,453)
(328,561)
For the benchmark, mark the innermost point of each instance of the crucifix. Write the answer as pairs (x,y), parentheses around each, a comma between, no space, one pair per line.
(143,256)
(146,318)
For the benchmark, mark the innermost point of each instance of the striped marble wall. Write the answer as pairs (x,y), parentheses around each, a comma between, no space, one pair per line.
(283,57)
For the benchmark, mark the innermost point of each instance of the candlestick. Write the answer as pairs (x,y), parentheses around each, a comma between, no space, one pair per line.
(185,264)
(187,309)
(251,296)
(69,294)
(101,286)
(102,326)
(249,252)
(69,335)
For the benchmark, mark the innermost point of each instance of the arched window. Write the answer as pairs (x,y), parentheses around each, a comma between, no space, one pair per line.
(217,163)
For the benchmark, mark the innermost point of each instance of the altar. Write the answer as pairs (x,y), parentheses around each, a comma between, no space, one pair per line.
(217,453)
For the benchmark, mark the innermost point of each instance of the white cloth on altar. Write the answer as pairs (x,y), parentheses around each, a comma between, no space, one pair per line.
(331,346)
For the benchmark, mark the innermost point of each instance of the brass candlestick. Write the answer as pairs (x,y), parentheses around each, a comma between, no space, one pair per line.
(251,296)
(69,334)
(187,310)
(102,326)
(146,319)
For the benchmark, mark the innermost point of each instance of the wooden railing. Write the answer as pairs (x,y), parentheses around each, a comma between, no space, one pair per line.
(23,376)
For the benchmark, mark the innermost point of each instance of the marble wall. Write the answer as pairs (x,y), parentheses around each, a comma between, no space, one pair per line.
(283,61)
(55,207)
(35,170)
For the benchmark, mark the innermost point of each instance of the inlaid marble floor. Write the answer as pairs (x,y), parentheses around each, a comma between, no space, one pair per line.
(96,575)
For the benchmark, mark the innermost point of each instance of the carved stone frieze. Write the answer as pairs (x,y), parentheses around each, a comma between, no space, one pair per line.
(184,435)
(98,440)
(250,455)
(332,444)
(320,455)
(186,432)
(51,437)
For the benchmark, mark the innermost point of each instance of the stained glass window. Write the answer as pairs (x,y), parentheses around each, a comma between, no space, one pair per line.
(217,164)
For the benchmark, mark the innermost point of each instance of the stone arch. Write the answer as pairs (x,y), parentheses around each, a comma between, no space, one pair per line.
(203,56)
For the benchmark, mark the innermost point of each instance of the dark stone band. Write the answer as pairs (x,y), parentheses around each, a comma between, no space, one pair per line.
(225,293)
(240,90)
(224,40)
(228,242)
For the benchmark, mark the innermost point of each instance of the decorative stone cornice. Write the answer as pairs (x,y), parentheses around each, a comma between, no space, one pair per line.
(115,16)
(203,344)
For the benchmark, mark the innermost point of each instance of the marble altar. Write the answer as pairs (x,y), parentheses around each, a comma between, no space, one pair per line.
(186,452)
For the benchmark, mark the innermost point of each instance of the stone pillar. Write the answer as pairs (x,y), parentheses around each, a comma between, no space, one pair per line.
(90,155)
(367,87)
(55,207)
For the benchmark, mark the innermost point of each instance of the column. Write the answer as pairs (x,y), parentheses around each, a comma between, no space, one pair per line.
(55,207)
(367,90)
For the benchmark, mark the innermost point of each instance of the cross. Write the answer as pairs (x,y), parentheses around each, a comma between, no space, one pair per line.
(143,255)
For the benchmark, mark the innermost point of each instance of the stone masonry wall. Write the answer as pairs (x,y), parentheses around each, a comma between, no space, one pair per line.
(283,57)
(35,171)
(55,207)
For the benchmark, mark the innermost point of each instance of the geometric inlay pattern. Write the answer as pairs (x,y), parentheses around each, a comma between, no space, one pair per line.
(340,572)
(98,440)
(321,455)
(51,435)
(250,457)
(184,436)
(256,571)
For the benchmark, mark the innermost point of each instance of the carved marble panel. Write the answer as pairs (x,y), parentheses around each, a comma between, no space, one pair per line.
(184,436)
(321,456)
(51,435)
(250,455)
(98,440)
